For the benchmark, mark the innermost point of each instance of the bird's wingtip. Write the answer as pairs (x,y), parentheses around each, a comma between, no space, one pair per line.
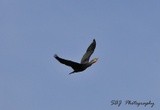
(55,55)
(94,40)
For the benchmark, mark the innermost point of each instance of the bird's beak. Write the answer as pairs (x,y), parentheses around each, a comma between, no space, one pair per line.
(95,60)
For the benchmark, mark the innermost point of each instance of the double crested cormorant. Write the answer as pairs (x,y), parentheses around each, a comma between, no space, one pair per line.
(85,63)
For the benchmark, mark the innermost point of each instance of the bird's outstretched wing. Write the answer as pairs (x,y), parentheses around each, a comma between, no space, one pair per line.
(70,63)
(90,50)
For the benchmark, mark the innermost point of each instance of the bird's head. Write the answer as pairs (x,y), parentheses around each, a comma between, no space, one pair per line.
(94,60)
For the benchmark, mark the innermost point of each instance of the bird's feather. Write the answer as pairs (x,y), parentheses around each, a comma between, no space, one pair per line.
(89,52)
(70,63)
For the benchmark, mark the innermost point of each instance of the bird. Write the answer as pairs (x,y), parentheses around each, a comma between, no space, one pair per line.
(84,64)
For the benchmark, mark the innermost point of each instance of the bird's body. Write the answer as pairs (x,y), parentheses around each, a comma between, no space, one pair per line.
(78,67)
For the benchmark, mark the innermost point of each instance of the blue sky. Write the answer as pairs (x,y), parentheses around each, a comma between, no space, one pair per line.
(128,47)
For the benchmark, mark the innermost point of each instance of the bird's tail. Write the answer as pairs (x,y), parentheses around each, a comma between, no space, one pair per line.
(72,72)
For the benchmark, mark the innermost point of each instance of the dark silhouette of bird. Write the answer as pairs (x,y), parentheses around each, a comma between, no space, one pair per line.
(85,63)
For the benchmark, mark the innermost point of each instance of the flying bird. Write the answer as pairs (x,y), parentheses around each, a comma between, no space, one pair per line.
(85,63)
